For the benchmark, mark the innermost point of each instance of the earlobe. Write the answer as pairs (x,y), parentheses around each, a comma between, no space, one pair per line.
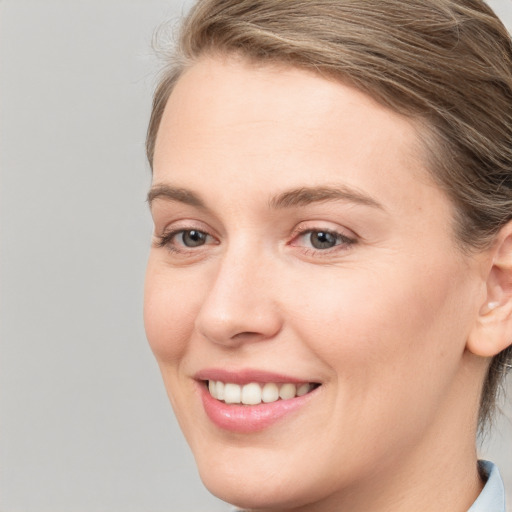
(492,331)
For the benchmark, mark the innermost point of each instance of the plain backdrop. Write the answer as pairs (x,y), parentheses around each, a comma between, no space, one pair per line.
(85,425)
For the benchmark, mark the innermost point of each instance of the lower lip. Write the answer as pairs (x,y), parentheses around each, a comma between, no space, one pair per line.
(245,419)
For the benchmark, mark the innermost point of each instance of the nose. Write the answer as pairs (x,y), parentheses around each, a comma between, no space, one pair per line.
(240,305)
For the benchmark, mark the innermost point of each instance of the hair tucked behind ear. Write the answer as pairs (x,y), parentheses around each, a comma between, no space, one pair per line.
(445,63)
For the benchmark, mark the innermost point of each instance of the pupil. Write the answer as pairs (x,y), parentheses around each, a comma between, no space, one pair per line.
(193,238)
(322,240)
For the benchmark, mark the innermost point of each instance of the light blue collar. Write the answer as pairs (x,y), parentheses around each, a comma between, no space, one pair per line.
(492,497)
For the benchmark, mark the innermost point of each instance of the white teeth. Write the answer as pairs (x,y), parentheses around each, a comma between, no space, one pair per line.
(212,388)
(219,388)
(287,391)
(251,394)
(270,392)
(232,393)
(303,389)
(254,393)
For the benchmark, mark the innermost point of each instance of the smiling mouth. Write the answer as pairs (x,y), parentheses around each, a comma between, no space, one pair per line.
(256,393)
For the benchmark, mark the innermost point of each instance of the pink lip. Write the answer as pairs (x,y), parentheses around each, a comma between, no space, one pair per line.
(245,376)
(245,419)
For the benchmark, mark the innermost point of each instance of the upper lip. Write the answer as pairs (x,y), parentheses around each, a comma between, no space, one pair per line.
(246,375)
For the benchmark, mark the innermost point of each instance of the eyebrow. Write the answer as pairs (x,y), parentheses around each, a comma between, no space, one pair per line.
(308,195)
(289,199)
(180,195)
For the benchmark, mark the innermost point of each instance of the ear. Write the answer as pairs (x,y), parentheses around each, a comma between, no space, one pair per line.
(492,331)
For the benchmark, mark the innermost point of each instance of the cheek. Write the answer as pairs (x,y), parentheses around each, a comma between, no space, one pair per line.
(169,314)
(392,348)
(387,322)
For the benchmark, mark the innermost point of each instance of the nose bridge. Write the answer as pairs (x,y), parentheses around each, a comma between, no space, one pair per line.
(240,305)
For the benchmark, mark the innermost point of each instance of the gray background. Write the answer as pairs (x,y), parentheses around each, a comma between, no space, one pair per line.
(84,421)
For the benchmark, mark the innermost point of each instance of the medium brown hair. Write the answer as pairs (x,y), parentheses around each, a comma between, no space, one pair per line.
(445,63)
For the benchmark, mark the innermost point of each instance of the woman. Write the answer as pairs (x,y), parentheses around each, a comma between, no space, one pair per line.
(329,292)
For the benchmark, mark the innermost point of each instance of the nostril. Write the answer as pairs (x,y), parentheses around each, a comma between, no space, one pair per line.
(246,335)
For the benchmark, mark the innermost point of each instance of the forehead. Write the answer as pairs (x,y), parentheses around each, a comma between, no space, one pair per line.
(233,89)
(282,127)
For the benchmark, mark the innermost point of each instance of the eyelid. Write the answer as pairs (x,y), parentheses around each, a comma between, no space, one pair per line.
(165,236)
(346,239)
(314,225)
(339,236)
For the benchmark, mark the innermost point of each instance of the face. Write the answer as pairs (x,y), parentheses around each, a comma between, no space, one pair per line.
(302,250)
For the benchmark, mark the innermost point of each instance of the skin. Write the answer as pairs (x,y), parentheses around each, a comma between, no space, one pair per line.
(381,321)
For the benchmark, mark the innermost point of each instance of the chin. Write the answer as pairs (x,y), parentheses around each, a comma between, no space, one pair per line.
(254,494)
(248,482)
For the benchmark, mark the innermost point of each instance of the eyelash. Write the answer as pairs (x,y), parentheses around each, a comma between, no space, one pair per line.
(343,242)
(165,240)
